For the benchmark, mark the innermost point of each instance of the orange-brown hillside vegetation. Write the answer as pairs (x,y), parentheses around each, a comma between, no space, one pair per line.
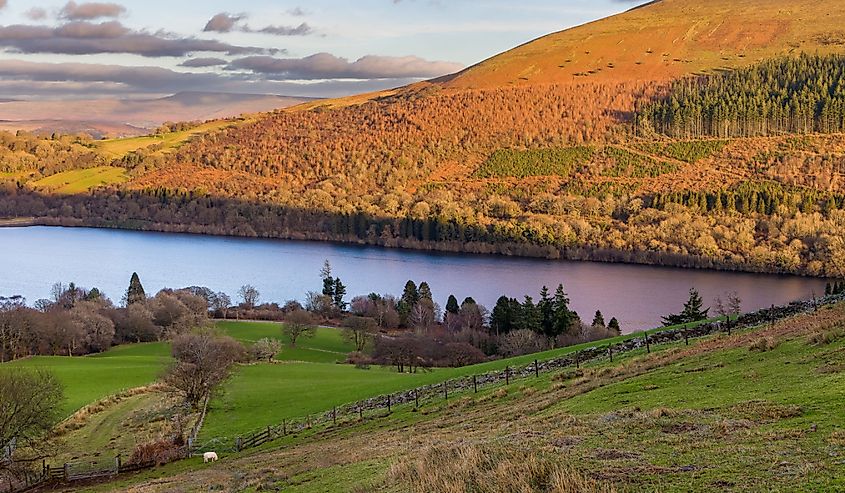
(535,152)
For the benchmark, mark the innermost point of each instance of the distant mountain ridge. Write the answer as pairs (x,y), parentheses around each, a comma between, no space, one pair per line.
(130,117)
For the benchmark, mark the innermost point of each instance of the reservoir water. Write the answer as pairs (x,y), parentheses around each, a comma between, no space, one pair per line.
(34,258)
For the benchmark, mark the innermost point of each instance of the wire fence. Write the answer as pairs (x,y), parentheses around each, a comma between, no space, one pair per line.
(383,405)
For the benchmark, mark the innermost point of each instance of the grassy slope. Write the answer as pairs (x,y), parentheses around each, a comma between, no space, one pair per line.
(117,148)
(712,417)
(263,394)
(81,180)
(91,378)
(328,346)
(667,39)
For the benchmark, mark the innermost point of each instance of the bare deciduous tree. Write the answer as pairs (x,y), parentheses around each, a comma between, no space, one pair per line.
(299,324)
(359,331)
(266,349)
(249,296)
(203,362)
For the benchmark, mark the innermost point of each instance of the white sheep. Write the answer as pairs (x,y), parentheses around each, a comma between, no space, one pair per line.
(209,457)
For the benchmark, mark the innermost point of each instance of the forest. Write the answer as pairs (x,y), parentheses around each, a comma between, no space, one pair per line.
(802,94)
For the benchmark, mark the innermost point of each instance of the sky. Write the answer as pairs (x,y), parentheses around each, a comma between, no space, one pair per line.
(321,48)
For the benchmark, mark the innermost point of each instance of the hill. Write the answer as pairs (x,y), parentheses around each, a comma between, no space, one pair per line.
(664,40)
(679,133)
(757,410)
(132,117)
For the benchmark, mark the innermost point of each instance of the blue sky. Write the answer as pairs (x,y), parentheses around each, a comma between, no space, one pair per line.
(133,48)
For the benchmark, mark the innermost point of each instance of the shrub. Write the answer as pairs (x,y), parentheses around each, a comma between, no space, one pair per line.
(158,451)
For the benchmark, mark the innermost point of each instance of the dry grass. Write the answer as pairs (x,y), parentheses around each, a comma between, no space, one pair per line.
(488,468)
(80,418)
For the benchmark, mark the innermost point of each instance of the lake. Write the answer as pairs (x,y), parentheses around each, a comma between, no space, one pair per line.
(35,258)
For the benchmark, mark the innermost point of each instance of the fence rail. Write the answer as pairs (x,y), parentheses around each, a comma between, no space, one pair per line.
(383,405)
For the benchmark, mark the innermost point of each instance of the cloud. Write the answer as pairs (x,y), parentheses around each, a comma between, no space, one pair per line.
(84,38)
(223,22)
(203,62)
(297,12)
(27,79)
(36,13)
(89,11)
(301,30)
(327,66)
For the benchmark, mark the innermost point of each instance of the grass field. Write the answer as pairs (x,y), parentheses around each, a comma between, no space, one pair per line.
(328,346)
(117,148)
(81,180)
(263,394)
(725,414)
(90,378)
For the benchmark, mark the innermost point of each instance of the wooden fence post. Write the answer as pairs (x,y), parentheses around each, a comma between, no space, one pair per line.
(310,425)
(284,427)
(474,384)
(610,352)
(238,444)
(117,462)
(446,390)
(334,416)
(507,375)
(67,471)
(577,360)
(686,335)
(416,398)
(361,413)
(536,369)
(647,344)
(388,405)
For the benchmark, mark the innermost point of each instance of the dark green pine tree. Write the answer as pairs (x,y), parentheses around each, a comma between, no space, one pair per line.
(468,301)
(598,320)
(503,317)
(410,298)
(613,326)
(425,291)
(135,293)
(93,295)
(529,316)
(561,314)
(410,295)
(328,280)
(546,307)
(693,311)
(452,305)
(338,293)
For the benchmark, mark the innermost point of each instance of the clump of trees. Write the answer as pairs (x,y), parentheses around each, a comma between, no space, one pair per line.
(76,321)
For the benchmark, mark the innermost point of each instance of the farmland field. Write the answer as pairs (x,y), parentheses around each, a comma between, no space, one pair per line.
(117,148)
(91,378)
(81,180)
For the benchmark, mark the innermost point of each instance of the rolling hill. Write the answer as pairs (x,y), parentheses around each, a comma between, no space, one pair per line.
(130,117)
(678,133)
